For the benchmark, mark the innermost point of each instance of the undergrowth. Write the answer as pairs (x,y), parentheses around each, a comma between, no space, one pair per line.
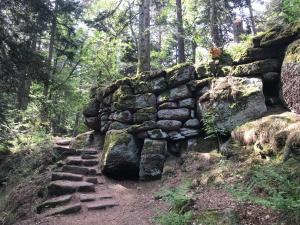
(180,202)
(23,176)
(274,185)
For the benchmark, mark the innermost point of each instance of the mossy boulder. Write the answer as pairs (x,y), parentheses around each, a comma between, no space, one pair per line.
(180,74)
(135,102)
(174,94)
(280,35)
(255,54)
(120,157)
(271,135)
(88,139)
(290,77)
(230,102)
(152,159)
(93,123)
(92,108)
(256,68)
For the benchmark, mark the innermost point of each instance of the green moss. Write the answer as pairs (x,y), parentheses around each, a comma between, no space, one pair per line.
(293,53)
(114,138)
(165,96)
(178,67)
(122,92)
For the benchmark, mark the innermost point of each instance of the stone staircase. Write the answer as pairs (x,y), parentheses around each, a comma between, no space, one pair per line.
(77,185)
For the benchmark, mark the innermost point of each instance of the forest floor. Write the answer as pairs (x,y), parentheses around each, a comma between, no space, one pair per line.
(139,204)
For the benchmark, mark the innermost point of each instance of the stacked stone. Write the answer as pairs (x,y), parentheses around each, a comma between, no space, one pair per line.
(264,59)
(146,116)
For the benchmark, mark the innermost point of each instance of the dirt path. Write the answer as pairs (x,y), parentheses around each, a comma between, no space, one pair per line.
(136,207)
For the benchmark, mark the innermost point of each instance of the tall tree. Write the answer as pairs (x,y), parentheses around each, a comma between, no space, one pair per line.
(144,36)
(180,33)
(214,30)
(249,4)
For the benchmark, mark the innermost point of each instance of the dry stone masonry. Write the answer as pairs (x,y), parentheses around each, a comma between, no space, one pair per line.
(145,117)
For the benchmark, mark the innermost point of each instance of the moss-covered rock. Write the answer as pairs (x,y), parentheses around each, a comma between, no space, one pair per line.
(280,35)
(152,159)
(290,77)
(180,74)
(120,154)
(255,54)
(92,108)
(230,102)
(256,68)
(88,139)
(271,135)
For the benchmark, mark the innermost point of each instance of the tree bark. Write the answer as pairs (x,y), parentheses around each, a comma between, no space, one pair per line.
(254,32)
(180,32)
(144,37)
(47,80)
(213,24)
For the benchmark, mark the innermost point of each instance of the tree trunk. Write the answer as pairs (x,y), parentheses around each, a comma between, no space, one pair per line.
(194,47)
(47,80)
(144,37)
(254,32)
(180,32)
(213,24)
(25,82)
(76,124)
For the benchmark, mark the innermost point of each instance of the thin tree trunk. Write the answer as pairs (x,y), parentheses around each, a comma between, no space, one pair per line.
(194,47)
(47,80)
(76,124)
(213,24)
(254,32)
(180,32)
(144,37)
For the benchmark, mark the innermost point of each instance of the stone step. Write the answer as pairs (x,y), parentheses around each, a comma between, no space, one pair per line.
(94,197)
(101,204)
(79,170)
(87,156)
(61,187)
(88,151)
(63,142)
(65,150)
(53,202)
(73,208)
(77,160)
(66,176)
(93,180)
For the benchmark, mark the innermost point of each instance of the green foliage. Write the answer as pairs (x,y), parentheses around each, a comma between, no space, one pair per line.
(179,201)
(177,197)
(237,50)
(210,127)
(273,185)
(291,10)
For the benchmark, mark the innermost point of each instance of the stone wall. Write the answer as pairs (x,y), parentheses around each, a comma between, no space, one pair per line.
(151,114)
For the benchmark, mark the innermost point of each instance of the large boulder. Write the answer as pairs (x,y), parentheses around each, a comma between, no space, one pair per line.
(180,74)
(290,77)
(174,94)
(120,154)
(256,68)
(152,159)
(280,35)
(230,102)
(93,123)
(134,102)
(271,135)
(92,108)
